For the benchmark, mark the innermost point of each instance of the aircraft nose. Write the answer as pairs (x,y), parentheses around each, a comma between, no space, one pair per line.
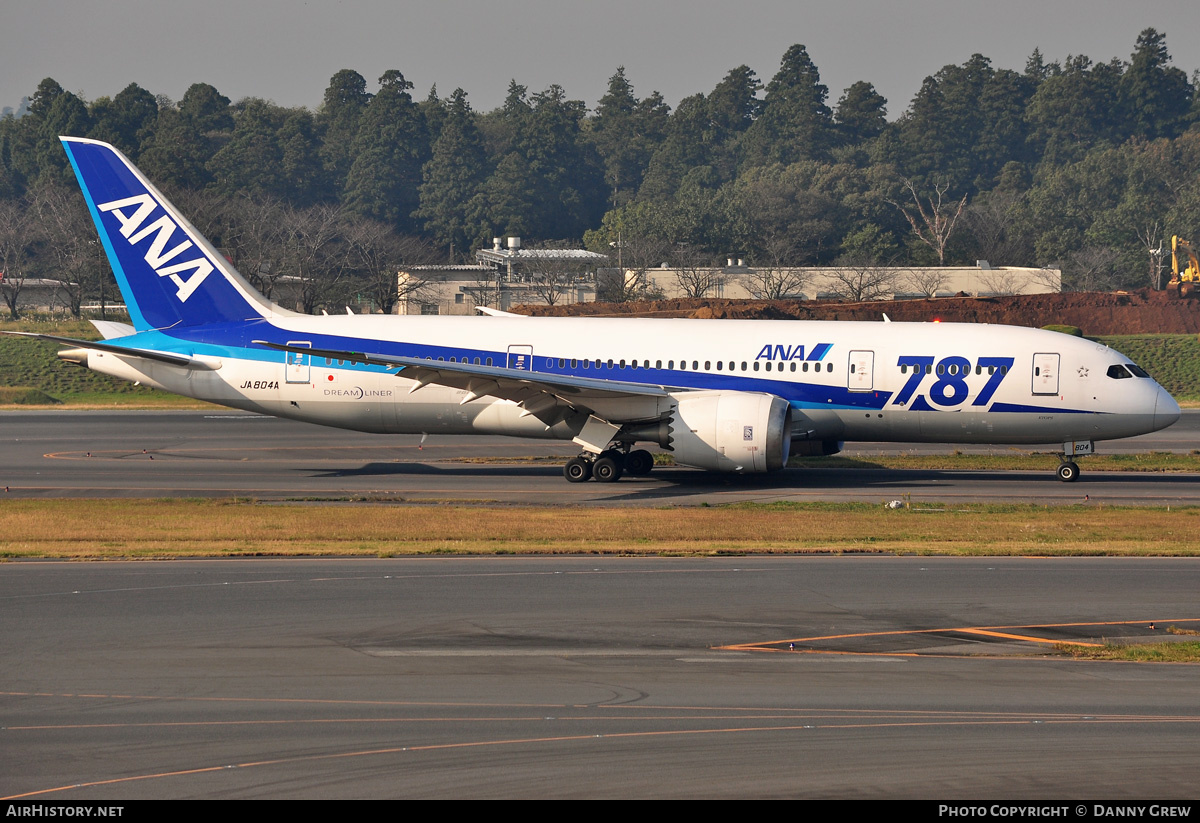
(1166,410)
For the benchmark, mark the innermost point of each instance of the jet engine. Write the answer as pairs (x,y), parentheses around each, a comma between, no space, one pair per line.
(725,431)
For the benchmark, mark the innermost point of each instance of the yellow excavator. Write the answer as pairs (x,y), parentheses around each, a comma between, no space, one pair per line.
(1184,283)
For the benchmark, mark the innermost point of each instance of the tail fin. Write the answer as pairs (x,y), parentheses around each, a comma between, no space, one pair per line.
(168,273)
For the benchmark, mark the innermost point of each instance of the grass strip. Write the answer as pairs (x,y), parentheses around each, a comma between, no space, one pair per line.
(130,529)
(1178,652)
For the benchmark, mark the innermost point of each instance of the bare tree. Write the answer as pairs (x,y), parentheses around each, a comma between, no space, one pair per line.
(636,256)
(1152,238)
(19,234)
(935,223)
(694,276)
(552,275)
(1000,282)
(859,278)
(1093,268)
(778,278)
(315,254)
(71,254)
(486,289)
(255,237)
(990,221)
(376,255)
(925,281)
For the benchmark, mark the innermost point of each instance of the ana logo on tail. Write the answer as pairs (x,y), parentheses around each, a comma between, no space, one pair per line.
(157,256)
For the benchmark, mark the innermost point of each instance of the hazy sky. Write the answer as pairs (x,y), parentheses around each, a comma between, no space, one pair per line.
(287,51)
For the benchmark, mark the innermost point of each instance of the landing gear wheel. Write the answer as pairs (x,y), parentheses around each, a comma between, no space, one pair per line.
(639,463)
(1068,472)
(607,470)
(577,470)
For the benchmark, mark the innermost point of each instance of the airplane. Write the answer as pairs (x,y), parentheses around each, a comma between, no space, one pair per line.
(724,395)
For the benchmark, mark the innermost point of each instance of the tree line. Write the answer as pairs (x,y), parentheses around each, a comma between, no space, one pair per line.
(1084,165)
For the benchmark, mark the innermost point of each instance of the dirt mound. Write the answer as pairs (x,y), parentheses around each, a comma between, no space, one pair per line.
(1137,312)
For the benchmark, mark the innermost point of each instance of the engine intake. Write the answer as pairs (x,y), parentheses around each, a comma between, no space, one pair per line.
(724,431)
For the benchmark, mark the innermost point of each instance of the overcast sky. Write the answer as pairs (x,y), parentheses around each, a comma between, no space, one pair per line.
(287,51)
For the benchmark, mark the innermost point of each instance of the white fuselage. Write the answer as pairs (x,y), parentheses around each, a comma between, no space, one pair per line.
(919,382)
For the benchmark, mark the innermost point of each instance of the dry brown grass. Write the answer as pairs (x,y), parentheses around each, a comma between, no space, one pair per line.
(176,528)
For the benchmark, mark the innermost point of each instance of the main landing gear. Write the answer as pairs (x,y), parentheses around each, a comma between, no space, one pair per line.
(608,466)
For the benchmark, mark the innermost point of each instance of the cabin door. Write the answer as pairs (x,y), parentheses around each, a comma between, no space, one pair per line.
(860,376)
(520,357)
(298,365)
(1045,373)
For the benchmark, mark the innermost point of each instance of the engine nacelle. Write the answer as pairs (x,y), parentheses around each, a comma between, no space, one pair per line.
(731,431)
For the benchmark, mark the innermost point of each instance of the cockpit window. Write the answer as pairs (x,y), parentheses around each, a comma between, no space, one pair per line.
(1137,370)
(1118,372)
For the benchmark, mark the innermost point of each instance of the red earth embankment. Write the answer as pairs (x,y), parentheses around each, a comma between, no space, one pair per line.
(1137,312)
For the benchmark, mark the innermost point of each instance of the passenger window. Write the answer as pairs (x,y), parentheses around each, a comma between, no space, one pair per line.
(756,365)
(562,364)
(804,367)
(489,361)
(695,365)
(828,367)
(574,363)
(707,365)
(670,364)
(793,365)
(658,364)
(720,365)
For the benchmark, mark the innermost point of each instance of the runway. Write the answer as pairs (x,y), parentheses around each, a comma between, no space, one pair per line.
(577,677)
(221,454)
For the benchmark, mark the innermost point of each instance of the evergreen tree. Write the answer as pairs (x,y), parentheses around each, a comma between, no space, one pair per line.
(126,121)
(346,99)
(626,132)
(450,201)
(861,113)
(1155,98)
(795,124)
(251,162)
(186,137)
(390,149)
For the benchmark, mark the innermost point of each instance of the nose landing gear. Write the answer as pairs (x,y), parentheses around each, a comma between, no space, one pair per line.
(1068,471)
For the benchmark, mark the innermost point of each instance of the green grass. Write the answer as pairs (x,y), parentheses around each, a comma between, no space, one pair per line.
(1187,651)
(1171,359)
(33,365)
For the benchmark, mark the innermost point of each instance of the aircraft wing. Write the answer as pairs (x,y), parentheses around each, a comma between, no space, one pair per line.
(182,360)
(544,395)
